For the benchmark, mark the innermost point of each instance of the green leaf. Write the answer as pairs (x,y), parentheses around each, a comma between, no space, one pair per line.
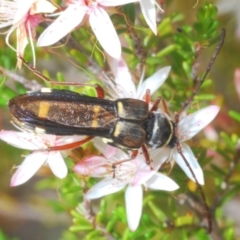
(218,170)
(235,115)
(183,220)
(81,227)
(167,50)
(159,214)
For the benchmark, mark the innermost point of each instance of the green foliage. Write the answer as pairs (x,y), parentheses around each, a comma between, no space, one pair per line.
(4,237)
(235,115)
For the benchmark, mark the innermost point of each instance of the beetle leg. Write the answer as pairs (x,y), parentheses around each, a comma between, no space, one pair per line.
(156,104)
(165,107)
(147,96)
(146,154)
(69,145)
(98,88)
(134,154)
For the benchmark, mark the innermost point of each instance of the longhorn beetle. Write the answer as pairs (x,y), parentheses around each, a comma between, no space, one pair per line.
(126,123)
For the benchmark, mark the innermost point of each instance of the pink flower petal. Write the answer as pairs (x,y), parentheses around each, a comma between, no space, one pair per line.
(93,166)
(211,133)
(105,32)
(65,23)
(105,187)
(143,172)
(24,140)
(190,125)
(161,182)
(133,201)
(154,82)
(237,80)
(149,13)
(23,8)
(57,164)
(192,161)
(28,168)
(109,151)
(123,78)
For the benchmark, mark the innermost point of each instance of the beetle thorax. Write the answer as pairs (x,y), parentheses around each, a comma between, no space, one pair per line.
(161,131)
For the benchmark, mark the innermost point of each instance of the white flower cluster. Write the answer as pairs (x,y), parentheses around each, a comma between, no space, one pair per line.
(25,16)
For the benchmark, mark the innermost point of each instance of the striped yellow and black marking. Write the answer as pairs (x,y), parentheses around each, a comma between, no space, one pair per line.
(61,112)
(126,123)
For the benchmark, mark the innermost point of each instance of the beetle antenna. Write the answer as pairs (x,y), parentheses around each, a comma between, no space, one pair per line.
(206,207)
(179,148)
(210,64)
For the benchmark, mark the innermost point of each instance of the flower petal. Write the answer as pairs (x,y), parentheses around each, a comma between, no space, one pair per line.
(105,32)
(22,42)
(159,156)
(123,78)
(154,82)
(113,3)
(108,151)
(143,171)
(28,168)
(94,166)
(24,140)
(149,13)
(192,161)
(161,182)
(23,8)
(65,23)
(133,201)
(190,125)
(43,7)
(237,81)
(57,164)
(5,24)
(142,174)
(107,186)
(211,133)
(61,140)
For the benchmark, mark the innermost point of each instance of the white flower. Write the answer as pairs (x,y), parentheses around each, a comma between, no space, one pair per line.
(149,13)
(188,127)
(99,20)
(135,174)
(24,16)
(125,87)
(37,143)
